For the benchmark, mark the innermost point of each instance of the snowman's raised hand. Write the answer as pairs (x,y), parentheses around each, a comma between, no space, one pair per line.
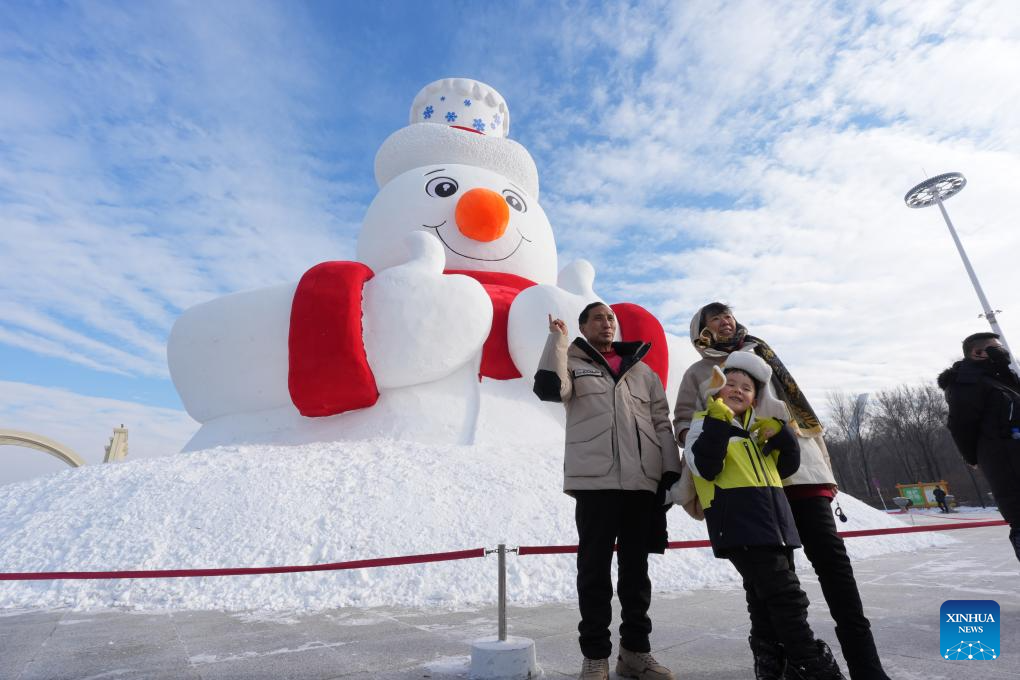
(424,252)
(578,278)
(420,324)
(565,300)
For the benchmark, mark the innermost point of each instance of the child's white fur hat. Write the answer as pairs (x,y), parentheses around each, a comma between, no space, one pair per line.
(768,405)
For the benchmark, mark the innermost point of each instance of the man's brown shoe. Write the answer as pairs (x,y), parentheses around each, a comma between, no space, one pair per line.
(641,665)
(594,669)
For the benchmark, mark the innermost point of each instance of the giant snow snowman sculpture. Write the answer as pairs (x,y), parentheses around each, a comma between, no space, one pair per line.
(426,336)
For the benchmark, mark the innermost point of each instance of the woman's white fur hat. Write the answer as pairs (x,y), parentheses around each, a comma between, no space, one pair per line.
(458,121)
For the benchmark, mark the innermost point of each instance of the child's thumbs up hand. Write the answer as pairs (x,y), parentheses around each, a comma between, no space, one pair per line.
(718,409)
(765,429)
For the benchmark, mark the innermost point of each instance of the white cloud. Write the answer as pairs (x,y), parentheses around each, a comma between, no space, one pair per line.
(814,120)
(147,170)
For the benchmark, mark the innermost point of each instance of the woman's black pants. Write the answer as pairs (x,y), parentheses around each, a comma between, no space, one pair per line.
(827,554)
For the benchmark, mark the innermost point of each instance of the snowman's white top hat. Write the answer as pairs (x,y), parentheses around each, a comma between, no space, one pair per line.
(460,121)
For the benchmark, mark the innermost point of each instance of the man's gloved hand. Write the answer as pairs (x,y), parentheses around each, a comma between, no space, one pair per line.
(764,429)
(718,409)
(668,480)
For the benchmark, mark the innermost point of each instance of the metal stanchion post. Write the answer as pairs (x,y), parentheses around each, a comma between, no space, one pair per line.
(505,658)
(501,553)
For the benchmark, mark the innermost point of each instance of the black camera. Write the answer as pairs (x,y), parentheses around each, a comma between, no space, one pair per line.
(998,355)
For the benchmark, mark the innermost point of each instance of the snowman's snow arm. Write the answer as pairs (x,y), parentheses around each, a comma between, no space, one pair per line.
(552,382)
(638,324)
(573,292)
(229,355)
(354,334)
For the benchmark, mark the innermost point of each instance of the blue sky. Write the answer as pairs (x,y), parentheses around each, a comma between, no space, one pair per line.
(155,155)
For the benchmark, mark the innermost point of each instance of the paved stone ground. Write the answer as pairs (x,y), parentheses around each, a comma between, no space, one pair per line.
(701,635)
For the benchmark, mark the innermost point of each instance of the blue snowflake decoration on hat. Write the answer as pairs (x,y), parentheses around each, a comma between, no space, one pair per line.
(463,103)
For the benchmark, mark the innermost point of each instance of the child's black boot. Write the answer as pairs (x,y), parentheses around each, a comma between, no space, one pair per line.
(820,666)
(769,659)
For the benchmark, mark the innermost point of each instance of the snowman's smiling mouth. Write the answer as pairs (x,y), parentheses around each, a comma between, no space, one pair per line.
(472,257)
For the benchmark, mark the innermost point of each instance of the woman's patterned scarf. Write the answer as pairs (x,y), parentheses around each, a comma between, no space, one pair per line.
(716,349)
(786,387)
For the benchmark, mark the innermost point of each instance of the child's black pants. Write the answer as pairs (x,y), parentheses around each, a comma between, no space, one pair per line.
(775,600)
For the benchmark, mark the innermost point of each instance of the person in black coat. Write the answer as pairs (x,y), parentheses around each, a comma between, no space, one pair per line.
(984,418)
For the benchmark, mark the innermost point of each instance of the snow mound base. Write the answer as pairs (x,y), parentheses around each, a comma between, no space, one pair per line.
(250,506)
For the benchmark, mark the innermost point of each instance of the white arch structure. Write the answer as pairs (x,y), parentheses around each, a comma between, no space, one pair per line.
(41,443)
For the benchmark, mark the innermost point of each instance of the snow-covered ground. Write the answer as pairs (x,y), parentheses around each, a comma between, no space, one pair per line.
(327,502)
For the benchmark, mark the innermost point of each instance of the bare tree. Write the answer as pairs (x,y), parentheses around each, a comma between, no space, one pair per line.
(851,418)
(914,418)
(892,435)
(899,436)
(928,425)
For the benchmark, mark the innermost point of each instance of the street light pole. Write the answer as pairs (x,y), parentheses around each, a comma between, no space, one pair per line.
(933,192)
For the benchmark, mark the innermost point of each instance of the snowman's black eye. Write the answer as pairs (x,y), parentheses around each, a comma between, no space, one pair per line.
(514,200)
(441,187)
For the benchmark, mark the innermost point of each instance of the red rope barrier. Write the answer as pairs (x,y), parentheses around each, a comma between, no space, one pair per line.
(546,549)
(566,549)
(419,559)
(945,516)
(680,545)
(929,527)
(245,571)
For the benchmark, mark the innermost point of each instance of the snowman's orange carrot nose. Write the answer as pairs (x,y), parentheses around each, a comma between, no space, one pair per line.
(482,215)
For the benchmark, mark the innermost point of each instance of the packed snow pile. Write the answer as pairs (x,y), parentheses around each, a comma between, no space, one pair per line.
(327,502)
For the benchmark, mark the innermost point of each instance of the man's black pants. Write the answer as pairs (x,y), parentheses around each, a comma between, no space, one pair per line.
(605,518)
(827,554)
(775,600)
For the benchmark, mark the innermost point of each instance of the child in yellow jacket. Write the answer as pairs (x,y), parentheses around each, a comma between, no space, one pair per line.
(738,462)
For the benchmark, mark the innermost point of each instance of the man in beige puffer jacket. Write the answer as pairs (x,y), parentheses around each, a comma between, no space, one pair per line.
(619,446)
